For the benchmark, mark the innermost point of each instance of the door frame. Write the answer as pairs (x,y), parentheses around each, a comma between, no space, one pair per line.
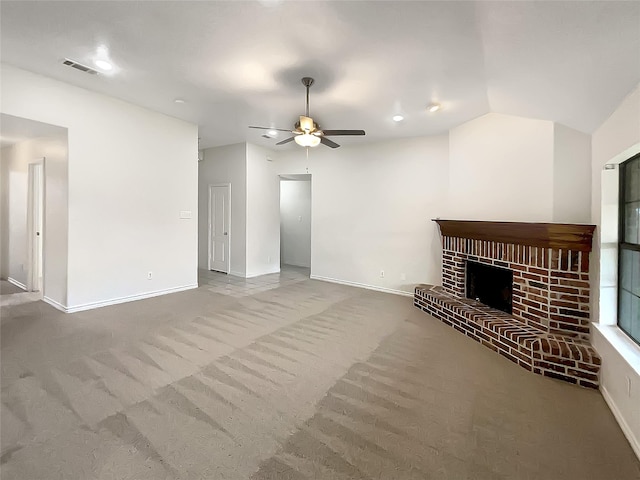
(210,226)
(35,209)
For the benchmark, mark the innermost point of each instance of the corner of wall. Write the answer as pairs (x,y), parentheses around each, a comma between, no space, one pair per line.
(4,212)
(571,175)
(263,213)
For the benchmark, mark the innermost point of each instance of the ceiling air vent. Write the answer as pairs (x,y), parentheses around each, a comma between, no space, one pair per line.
(79,66)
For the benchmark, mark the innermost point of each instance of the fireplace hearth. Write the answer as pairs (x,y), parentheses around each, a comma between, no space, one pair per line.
(544,326)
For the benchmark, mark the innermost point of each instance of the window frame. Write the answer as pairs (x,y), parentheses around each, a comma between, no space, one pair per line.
(622,245)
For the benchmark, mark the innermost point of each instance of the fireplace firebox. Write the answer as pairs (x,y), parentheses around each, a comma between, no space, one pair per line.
(489,285)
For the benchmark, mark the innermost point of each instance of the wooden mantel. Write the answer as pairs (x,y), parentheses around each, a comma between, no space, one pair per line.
(553,235)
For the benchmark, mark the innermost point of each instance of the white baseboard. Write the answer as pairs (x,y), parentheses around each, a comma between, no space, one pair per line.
(255,274)
(363,285)
(17,283)
(633,441)
(131,298)
(266,272)
(55,304)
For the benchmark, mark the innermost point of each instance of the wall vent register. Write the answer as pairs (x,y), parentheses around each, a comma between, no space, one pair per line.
(79,66)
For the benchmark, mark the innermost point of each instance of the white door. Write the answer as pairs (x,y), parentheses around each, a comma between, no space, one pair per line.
(35,226)
(219,211)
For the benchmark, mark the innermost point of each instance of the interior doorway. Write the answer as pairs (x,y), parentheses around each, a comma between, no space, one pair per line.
(219,227)
(34,211)
(295,222)
(35,226)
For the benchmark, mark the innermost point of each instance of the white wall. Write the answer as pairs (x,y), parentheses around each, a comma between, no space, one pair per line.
(295,222)
(4,212)
(263,213)
(571,175)
(616,140)
(226,164)
(372,208)
(15,161)
(502,169)
(14,222)
(131,172)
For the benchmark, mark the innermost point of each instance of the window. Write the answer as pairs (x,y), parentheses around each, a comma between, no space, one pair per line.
(629,249)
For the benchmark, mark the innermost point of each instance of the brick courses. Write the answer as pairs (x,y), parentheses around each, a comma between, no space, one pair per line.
(548,330)
(550,285)
(566,358)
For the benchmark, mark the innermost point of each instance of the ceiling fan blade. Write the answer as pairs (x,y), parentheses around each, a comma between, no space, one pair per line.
(286,140)
(328,143)
(269,128)
(328,133)
(306,123)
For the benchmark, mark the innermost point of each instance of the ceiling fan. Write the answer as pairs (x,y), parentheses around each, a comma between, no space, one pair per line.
(306,132)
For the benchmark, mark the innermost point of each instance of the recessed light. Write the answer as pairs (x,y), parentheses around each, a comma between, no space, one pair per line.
(103,65)
(179,100)
(397,118)
(273,133)
(433,107)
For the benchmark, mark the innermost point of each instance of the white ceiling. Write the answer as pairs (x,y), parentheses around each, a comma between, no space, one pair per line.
(240,63)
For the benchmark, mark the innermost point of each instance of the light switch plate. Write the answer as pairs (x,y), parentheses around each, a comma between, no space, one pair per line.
(185,213)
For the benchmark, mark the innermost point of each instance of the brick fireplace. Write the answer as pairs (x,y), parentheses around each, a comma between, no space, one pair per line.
(547,331)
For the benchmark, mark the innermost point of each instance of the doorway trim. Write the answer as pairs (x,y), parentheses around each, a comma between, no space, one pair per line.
(210,226)
(36,194)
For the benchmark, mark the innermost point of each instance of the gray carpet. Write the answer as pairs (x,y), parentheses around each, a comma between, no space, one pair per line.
(8,288)
(12,295)
(283,377)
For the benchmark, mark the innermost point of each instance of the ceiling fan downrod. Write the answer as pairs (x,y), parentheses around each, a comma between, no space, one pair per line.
(307,82)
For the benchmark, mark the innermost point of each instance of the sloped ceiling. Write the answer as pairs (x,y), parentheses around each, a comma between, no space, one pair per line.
(240,63)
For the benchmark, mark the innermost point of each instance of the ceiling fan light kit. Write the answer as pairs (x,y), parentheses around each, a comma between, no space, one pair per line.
(307,140)
(307,133)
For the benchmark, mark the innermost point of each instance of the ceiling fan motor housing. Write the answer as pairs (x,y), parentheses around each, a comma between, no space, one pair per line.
(315,129)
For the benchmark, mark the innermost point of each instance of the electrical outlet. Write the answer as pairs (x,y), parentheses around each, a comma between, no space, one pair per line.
(149,275)
(381,273)
(269,259)
(403,276)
